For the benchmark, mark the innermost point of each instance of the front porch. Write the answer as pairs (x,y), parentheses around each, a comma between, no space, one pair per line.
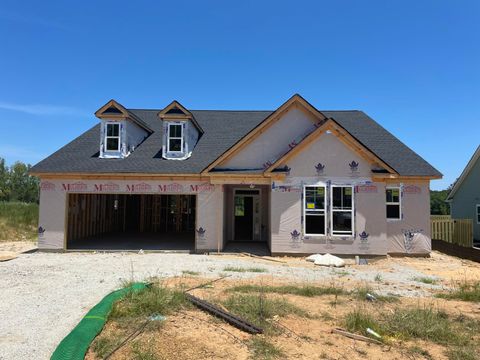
(246,219)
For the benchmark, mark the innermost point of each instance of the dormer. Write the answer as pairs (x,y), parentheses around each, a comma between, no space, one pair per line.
(180,132)
(120,131)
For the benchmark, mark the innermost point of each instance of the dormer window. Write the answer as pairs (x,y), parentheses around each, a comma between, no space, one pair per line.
(121,131)
(175,138)
(112,137)
(180,132)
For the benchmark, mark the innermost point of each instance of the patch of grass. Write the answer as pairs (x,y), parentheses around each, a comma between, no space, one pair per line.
(417,350)
(263,349)
(425,323)
(462,353)
(378,278)
(242,270)
(326,316)
(190,272)
(468,323)
(425,280)
(465,291)
(260,309)
(18,221)
(341,272)
(303,290)
(362,291)
(155,299)
(142,351)
(359,320)
(104,344)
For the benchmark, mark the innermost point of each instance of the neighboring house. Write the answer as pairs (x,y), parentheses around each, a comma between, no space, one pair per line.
(464,198)
(297,180)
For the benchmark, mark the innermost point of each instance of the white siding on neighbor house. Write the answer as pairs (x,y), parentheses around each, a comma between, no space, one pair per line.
(274,142)
(53,205)
(369,203)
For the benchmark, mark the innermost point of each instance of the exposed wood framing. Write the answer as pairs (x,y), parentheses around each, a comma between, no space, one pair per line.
(112,103)
(240,180)
(187,115)
(175,104)
(129,176)
(124,114)
(91,215)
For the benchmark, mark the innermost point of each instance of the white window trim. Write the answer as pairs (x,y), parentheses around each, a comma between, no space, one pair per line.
(119,137)
(315,210)
(342,233)
(399,203)
(175,137)
(478,213)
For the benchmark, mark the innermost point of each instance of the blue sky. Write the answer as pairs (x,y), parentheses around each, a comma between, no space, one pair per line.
(414,66)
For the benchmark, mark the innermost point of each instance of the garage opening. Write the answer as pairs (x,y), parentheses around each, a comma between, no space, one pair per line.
(131,222)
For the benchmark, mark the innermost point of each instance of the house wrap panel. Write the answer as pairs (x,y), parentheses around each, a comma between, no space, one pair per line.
(274,142)
(327,162)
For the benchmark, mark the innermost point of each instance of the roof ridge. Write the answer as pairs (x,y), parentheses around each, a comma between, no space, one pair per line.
(226,110)
(236,110)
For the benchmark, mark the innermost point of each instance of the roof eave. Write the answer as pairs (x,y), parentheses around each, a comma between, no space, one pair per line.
(473,160)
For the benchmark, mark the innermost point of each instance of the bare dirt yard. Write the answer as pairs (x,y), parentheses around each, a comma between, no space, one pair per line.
(298,304)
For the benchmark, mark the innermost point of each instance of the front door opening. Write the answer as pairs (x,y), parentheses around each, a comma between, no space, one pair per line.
(247,215)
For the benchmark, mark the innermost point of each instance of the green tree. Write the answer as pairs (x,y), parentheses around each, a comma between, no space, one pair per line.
(4,187)
(23,187)
(438,206)
(16,184)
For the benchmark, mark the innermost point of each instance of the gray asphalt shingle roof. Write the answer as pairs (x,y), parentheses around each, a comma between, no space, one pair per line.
(222,129)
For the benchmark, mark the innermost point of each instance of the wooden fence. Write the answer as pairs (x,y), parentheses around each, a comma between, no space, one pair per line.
(453,231)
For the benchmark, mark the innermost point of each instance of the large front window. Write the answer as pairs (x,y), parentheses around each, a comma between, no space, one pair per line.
(314,209)
(112,137)
(175,138)
(342,210)
(340,213)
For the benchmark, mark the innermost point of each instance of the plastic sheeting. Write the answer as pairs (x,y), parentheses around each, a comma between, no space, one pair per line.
(75,345)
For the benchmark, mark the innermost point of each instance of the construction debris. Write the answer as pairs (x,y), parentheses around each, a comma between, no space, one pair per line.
(326,260)
(374,333)
(263,257)
(208,283)
(355,336)
(7,255)
(229,318)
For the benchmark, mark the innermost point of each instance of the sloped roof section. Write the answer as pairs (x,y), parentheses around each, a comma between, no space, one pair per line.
(473,160)
(383,144)
(222,130)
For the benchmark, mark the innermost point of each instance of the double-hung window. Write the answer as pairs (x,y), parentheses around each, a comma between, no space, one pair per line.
(342,210)
(478,213)
(112,137)
(314,210)
(394,206)
(175,138)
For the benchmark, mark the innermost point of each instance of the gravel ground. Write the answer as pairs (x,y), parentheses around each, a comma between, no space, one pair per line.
(44,295)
